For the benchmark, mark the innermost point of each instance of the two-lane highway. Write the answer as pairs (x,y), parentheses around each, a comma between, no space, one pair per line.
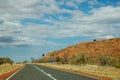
(36,72)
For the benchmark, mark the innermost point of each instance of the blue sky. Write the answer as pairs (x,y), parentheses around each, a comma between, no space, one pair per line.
(30,28)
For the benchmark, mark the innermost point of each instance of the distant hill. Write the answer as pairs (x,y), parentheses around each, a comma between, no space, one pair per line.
(109,47)
(102,52)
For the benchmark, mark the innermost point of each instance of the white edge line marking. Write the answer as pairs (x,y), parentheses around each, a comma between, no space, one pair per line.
(14,74)
(49,75)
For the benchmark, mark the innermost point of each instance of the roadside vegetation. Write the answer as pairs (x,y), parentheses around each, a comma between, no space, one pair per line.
(4,68)
(83,59)
(102,53)
(7,67)
(105,66)
(101,58)
(101,71)
(4,60)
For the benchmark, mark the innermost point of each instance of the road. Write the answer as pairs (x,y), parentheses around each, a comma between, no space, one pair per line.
(36,72)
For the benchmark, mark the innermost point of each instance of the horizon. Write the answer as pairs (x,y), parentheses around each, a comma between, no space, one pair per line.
(29,29)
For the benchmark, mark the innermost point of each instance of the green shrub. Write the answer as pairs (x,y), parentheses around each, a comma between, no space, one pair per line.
(57,59)
(105,60)
(80,58)
(117,62)
(5,60)
(117,65)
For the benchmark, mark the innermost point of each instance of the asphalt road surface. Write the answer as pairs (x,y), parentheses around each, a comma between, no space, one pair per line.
(36,72)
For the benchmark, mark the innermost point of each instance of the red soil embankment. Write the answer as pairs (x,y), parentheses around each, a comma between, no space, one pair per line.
(7,74)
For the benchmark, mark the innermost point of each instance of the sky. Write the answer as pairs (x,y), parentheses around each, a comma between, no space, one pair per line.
(30,28)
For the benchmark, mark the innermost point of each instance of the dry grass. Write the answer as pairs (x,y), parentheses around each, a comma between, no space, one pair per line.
(112,73)
(7,67)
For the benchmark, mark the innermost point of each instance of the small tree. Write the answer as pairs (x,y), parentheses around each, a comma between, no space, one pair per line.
(94,40)
(1,61)
(105,60)
(6,60)
(58,59)
(117,64)
(43,55)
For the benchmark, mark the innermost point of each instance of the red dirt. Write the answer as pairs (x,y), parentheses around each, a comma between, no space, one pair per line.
(6,75)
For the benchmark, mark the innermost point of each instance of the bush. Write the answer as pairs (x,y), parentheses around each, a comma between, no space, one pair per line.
(105,60)
(63,61)
(80,58)
(5,60)
(117,62)
(58,59)
(117,65)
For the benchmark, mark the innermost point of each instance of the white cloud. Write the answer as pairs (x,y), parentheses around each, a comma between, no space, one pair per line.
(102,22)
(108,13)
(93,2)
(109,37)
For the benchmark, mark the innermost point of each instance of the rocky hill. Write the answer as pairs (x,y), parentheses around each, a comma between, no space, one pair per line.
(109,47)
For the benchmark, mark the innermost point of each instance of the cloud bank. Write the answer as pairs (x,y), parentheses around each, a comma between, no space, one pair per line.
(30,22)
